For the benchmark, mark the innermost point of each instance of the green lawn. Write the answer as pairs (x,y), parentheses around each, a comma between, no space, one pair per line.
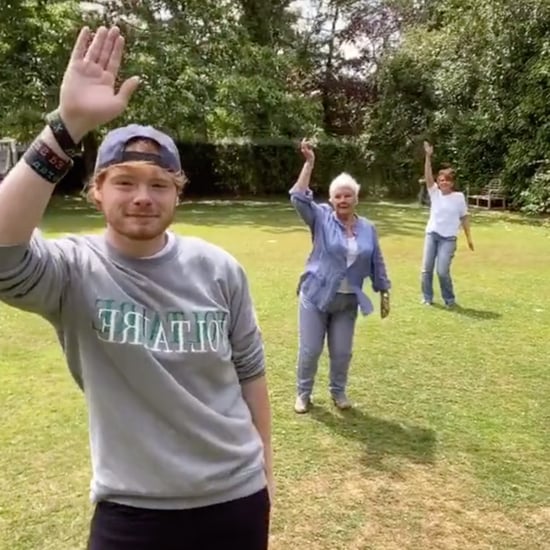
(448,447)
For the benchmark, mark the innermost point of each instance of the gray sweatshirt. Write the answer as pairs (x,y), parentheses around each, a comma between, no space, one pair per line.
(160,347)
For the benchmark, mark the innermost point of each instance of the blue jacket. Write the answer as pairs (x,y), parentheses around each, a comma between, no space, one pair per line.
(326,266)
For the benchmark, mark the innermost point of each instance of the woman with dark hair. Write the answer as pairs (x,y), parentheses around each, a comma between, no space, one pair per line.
(448,212)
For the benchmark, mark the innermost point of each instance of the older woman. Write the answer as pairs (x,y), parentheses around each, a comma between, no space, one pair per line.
(345,251)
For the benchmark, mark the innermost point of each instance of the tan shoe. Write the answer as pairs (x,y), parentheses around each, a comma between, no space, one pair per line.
(302,404)
(342,402)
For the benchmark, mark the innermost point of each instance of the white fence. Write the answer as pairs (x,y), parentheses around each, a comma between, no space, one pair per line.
(8,155)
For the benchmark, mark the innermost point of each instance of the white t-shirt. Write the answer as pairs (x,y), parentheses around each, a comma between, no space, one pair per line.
(445,212)
(351,257)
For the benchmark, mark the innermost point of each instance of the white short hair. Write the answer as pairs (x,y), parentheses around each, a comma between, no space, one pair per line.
(344,180)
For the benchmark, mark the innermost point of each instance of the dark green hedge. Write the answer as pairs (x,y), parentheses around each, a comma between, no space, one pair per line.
(247,169)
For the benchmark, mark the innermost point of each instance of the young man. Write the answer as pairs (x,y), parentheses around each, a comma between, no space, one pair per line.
(159,331)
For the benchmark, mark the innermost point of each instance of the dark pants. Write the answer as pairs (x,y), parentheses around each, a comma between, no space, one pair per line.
(242,524)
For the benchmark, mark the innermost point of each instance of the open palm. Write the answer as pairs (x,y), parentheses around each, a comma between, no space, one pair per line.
(88,97)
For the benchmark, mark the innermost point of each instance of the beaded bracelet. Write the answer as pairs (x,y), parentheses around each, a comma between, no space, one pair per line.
(46,162)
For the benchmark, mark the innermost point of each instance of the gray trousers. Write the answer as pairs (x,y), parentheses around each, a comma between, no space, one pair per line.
(338,325)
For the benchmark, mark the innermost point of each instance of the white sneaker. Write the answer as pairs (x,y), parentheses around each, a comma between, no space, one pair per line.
(342,402)
(302,404)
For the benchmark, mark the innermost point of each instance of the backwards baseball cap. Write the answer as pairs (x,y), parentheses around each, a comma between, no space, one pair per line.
(113,148)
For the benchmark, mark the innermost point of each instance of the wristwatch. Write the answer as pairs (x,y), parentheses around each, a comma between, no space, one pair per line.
(61,134)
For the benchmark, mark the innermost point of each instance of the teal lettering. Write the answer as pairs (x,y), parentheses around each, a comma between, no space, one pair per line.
(172,331)
(101,304)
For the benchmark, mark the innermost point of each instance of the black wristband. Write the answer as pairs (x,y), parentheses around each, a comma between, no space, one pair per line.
(46,162)
(61,134)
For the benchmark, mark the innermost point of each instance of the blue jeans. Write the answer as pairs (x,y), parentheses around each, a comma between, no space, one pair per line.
(438,252)
(338,325)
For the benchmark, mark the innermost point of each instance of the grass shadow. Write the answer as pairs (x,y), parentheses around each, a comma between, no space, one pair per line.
(479,314)
(382,439)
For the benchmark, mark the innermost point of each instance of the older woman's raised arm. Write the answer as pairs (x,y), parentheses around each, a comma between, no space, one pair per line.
(301,195)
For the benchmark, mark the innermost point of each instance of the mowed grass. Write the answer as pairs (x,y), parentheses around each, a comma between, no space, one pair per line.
(448,446)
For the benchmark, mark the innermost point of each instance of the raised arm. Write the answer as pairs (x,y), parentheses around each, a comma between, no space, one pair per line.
(301,195)
(24,194)
(428,172)
(302,183)
(33,271)
(87,100)
(33,276)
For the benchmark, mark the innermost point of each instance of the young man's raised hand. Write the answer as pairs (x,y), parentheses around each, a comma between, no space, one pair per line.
(88,97)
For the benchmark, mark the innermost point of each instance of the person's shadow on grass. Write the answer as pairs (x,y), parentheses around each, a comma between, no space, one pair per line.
(479,314)
(382,439)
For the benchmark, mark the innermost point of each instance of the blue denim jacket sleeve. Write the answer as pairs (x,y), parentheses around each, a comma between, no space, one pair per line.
(308,209)
(379,275)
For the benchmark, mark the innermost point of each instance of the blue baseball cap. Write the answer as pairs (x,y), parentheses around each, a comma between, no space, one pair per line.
(113,148)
